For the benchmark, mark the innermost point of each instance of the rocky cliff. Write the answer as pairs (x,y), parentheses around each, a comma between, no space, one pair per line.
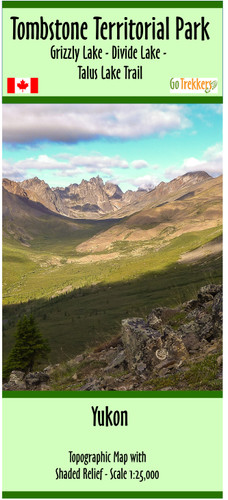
(171,349)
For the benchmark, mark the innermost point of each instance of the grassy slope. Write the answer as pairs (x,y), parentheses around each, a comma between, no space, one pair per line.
(27,270)
(36,274)
(89,315)
(203,209)
(144,275)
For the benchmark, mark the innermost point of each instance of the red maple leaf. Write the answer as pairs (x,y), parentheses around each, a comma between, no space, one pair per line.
(22,85)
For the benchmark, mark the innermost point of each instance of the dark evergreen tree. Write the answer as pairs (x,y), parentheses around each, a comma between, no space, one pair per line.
(30,345)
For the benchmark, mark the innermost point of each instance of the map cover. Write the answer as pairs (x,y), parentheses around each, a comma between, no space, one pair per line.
(112,249)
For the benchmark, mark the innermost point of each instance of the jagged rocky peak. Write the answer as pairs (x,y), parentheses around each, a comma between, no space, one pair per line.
(39,191)
(162,183)
(71,186)
(94,185)
(14,187)
(35,181)
(38,186)
(113,190)
(98,181)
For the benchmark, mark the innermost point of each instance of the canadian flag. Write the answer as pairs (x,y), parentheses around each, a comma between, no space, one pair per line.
(22,85)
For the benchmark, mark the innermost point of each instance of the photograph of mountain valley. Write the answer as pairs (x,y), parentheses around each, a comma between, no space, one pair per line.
(112,247)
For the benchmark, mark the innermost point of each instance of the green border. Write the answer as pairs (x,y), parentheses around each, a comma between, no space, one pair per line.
(113,4)
(109,394)
(112,394)
(112,99)
(112,494)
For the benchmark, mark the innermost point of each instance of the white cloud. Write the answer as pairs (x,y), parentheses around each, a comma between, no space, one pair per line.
(139,164)
(98,162)
(12,171)
(211,162)
(71,123)
(73,165)
(145,182)
(43,162)
(213,152)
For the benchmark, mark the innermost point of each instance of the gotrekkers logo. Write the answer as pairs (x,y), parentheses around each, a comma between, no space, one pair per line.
(193,85)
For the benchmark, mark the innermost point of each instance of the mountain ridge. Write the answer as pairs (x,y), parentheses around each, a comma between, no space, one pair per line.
(95,199)
(162,222)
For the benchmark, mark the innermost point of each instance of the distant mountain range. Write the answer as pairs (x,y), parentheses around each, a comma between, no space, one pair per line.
(191,202)
(95,199)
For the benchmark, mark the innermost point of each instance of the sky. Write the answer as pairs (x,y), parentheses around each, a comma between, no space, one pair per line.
(132,145)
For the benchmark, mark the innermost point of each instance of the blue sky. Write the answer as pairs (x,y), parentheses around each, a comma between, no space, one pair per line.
(132,145)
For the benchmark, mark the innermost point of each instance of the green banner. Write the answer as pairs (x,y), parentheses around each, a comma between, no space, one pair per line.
(77,445)
(106,51)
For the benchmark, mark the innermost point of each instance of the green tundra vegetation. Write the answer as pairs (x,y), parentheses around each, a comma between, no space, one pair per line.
(103,293)
(35,272)
(79,293)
